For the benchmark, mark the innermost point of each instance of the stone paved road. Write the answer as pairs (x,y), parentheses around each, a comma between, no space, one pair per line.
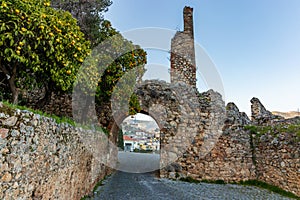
(133,186)
(137,162)
(144,186)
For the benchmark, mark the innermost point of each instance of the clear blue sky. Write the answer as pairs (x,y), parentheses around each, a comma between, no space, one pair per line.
(255,44)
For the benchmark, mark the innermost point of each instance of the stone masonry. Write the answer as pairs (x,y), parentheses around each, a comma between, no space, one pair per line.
(237,154)
(175,108)
(276,152)
(221,150)
(41,159)
(183,64)
(260,115)
(277,160)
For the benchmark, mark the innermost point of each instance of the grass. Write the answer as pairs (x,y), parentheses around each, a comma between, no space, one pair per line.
(293,128)
(100,183)
(220,182)
(251,129)
(6,109)
(9,109)
(255,183)
(85,197)
(191,180)
(142,151)
(274,130)
(269,187)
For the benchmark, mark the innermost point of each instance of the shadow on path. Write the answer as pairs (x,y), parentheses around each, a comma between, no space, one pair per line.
(137,162)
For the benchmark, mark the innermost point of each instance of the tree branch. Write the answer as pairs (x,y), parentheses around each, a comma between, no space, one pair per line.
(4,69)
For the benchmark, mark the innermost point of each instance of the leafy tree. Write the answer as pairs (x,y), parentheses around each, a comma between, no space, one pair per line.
(44,46)
(134,105)
(113,69)
(39,43)
(120,139)
(133,58)
(89,14)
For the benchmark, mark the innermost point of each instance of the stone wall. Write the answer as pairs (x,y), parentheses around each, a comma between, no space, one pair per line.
(218,152)
(57,103)
(175,108)
(277,160)
(188,21)
(41,159)
(225,150)
(230,157)
(277,148)
(260,115)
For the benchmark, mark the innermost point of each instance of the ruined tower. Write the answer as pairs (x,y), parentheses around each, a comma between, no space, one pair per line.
(183,64)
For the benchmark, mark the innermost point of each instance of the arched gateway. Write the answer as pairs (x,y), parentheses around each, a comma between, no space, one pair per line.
(175,108)
(181,113)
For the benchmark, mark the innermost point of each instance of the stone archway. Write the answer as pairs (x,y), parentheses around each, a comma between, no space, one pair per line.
(175,108)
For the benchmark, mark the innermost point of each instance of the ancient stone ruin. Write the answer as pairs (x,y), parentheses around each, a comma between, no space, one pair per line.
(201,138)
(183,64)
(223,148)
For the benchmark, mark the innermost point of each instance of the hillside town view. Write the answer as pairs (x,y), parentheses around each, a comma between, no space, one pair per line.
(140,135)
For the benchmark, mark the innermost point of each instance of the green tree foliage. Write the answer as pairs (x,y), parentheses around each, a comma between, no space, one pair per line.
(120,139)
(89,14)
(134,105)
(98,31)
(41,43)
(113,69)
(129,66)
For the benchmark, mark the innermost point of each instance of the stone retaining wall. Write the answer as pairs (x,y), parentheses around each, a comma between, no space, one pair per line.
(277,160)
(221,150)
(277,150)
(230,155)
(41,159)
(225,150)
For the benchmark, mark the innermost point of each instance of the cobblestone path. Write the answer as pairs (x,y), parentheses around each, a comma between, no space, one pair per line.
(144,186)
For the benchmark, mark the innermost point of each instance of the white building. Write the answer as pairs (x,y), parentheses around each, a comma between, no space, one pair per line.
(130,143)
